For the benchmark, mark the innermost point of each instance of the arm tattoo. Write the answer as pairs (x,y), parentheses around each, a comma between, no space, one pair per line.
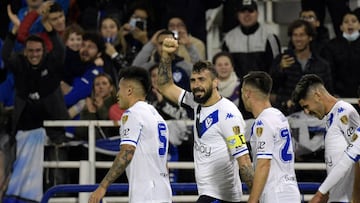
(164,73)
(121,161)
(247,175)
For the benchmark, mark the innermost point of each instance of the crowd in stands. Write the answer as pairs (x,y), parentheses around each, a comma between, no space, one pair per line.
(61,60)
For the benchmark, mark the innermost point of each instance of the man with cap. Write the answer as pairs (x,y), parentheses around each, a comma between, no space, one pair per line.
(251,44)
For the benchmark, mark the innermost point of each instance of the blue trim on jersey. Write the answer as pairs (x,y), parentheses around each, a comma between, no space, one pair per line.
(129,141)
(356,159)
(240,152)
(330,120)
(209,121)
(261,154)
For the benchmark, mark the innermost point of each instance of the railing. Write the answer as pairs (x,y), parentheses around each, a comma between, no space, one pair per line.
(305,187)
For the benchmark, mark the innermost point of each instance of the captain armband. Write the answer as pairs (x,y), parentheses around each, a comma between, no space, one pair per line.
(235,141)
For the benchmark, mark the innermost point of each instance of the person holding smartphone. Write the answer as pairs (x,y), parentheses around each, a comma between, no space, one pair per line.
(299,59)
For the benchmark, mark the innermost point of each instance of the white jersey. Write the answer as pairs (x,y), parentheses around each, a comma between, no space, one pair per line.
(351,156)
(217,145)
(143,127)
(341,123)
(271,139)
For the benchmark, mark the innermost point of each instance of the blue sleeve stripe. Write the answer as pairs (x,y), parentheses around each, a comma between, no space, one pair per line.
(244,150)
(135,142)
(264,154)
(355,159)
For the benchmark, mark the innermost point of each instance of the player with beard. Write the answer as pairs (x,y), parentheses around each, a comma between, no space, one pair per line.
(219,139)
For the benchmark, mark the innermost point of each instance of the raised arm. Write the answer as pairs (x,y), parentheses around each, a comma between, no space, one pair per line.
(166,84)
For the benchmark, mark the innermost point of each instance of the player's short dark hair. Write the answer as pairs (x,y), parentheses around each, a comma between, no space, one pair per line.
(204,65)
(260,80)
(302,87)
(137,74)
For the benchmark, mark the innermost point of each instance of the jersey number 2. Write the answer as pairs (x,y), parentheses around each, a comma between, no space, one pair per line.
(162,138)
(285,155)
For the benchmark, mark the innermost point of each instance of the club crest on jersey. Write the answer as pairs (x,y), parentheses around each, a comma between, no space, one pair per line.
(236,130)
(124,119)
(354,137)
(344,119)
(259,131)
(208,122)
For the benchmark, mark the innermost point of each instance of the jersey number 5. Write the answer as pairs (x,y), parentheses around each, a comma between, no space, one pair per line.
(162,138)
(285,155)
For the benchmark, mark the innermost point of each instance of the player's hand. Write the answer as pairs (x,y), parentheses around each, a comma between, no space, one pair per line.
(169,45)
(319,198)
(97,195)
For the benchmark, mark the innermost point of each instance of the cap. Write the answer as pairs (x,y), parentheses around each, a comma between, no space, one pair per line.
(249,5)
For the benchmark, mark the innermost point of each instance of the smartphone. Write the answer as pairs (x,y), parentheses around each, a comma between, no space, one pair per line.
(289,52)
(137,22)
(176,34)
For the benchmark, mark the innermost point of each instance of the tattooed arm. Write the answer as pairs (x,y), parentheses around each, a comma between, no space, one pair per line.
(261,174)
(246,170)
(121,161)
(165,81)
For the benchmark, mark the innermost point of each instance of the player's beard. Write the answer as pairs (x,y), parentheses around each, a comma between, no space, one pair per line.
(202,99)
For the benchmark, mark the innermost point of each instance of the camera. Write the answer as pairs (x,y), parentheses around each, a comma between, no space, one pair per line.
(137,22)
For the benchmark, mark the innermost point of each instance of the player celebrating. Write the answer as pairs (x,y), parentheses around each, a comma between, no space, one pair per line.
(218,134)
(144,144)
(273,155)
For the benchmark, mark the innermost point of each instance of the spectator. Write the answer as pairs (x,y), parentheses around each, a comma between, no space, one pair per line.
(342,54)
(298,60)
(144,143)
(229,83)
(56,17)
(135,32)
(115,56)
(341,121)
(97,106)
(180,68)
(322,33)
(219,141)
(190,48)
(272,149)
(36,27)
(38,98)
(337,10)
(73,39)
(252,44)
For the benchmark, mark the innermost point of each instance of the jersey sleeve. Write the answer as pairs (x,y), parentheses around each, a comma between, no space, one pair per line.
(233,131)
(349,121)
(265,139)
(130,128)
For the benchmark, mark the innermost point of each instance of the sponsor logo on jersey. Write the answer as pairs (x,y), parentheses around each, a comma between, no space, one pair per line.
(259,131)
(236,130)
(261,145)
(202,148)
(124,119)
(344,119)
(229,115)
(340,109)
